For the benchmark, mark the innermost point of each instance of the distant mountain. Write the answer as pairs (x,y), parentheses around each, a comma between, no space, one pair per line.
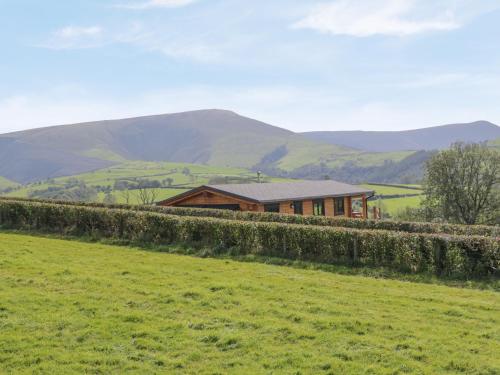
(215,137)
(435,138)
(226,139)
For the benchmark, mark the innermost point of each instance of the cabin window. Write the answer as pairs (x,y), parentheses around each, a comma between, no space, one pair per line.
(272,207)
(339,209)
(297,208)
(319,207)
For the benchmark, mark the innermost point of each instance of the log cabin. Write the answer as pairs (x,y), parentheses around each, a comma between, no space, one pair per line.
(321,198)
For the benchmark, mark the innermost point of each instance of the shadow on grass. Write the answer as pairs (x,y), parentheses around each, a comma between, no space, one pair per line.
(487,283)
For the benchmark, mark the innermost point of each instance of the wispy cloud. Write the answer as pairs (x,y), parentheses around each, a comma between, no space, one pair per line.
(156,4)
(75,37)
(364,18)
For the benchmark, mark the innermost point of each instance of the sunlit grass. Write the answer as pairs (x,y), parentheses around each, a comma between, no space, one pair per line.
(73,307)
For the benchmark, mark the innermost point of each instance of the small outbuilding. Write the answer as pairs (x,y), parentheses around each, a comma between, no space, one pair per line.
(321,198)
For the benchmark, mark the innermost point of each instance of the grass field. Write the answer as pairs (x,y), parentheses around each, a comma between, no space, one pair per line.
(392,190)
(394,205)
(4,183)
(73,307)
(161,194)
(199,175)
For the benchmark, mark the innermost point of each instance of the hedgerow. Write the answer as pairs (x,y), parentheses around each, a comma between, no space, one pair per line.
(450,255)
(403,226)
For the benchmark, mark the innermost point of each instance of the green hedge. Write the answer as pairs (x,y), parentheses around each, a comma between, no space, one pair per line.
(411,227)
(455,256)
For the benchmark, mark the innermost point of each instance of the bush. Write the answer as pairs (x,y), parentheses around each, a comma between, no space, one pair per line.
(450,255)
(402,226)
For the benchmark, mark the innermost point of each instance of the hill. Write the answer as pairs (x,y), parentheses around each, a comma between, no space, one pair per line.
(73,307)
(434,138)
(209,137)
(123,180)
(214,137)
(6,184)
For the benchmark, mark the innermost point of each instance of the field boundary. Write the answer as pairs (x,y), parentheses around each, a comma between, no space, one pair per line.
(447,255)
(342,222)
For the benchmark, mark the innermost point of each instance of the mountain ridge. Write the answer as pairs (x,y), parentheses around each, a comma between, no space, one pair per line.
(211,137)
(429,138)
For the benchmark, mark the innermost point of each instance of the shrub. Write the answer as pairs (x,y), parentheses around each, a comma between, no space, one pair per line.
(450,255)
(402,226)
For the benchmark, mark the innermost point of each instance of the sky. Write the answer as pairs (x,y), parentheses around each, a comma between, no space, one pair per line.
(299,64)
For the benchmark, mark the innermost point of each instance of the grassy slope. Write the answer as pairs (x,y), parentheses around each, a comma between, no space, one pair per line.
(495,144)
(302,152)
(71,307)
(146,170)
(393,205)
(391,190)
(4,183)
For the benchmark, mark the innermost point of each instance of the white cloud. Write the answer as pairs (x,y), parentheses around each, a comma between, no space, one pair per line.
(364,18)
(157,4)
(75,37)
(77,32)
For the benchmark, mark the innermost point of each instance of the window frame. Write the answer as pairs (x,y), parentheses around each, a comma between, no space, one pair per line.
(275,207)
(296,209)
(318,202)
(337,212)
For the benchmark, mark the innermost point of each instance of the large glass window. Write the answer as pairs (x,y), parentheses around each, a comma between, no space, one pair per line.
(298,208)
(319,207)
(339,208)
(272,207)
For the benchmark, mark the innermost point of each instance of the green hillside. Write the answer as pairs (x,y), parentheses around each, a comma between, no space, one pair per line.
(388,201)
(5,184)
(384,190)
(495,143)
(72,307)
(208,137)
(174,179)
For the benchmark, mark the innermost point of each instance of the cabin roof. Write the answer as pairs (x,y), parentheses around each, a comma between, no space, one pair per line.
(283,191)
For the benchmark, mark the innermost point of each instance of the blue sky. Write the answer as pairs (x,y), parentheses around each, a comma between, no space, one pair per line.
(299,64)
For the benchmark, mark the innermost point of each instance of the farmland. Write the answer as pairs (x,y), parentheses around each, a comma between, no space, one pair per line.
(4,183)
(388,202)
(175,178)
(72,307)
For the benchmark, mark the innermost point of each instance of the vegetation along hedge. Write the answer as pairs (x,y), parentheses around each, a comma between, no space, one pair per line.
(450,255)
(403,226)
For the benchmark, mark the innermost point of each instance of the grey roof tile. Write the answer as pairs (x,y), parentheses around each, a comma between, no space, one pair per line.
(281,191)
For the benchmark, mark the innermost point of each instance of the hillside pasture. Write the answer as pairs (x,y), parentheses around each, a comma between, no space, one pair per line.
(73,307)
(395,205)
(381,190)
(5,183)
(410,197)
(179,175)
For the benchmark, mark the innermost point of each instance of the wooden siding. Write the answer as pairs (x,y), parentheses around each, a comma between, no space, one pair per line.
(285,207)
(213,198)
(329,207)
(307,207)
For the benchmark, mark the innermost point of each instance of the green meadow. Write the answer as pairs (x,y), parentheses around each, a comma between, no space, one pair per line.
(393,190)
(181,175)
(5,183)
(70,307)
(394,205)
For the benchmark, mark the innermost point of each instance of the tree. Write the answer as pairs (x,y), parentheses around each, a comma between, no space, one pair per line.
(461,184)
(109,199)
(168,181)
(147,196)
(126,195)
